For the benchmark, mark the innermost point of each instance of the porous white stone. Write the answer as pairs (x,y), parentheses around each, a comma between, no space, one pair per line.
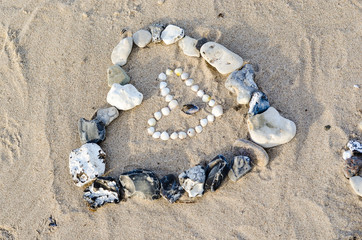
(173,104)
(270,129)
(217,111)
(166,111)
(151,122)
(193,180)
(200,93)
(191,132)
(212,103)
(185,76)
(169,72)
(157,115)
(188,46)
(107,115)
(86,163)
(172,34)
(203,122)
(168,98)
(210,118)
(178,71)
(218,56)
(195,88)
(205,98)
(356,183)
(156,135)
(151,130)
(198,129)
(141,38)
(174,135)
(121,52)
(124,97)
(162,76)
(164,136)
(163,85)
(189,82)
(182,135)
(165,91)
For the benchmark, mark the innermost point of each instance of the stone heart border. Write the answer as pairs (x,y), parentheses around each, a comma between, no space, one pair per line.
(266,127)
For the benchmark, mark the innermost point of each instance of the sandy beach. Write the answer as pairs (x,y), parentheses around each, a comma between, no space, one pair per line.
(53,61)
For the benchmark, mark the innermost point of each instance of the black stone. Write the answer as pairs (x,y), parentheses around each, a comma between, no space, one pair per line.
(200,42)
(171,190)
(259,103)
(216,171)
(190,109)
(92,131)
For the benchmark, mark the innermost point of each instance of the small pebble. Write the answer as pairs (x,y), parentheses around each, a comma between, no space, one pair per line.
(156,135)
(165,111)
(195,88)
(184,76)
(124,97)
(327,127)
(151,122)
(172,34)
(92,131)
(178,71)
(198,129)
(217,111)
(141,38)
(121,52)
(182,135)
(212,103)
(189,82)
(356,86)
(174,135)
(169,72)
(188,46)
(164,136)
(165,91)
(168,98)
(200,93)
(106,115)
(210,118)
(157,115)
(162,76)
(163,85)
(173,104)
(200,42)
(216,172)
(116,74)
(206,98)
(191,132)
(203,122)
(347,154)
(151,130)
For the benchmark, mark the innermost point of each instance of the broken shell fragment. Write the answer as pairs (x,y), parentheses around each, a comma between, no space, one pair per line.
(216,172)
(171,190)
(190,109)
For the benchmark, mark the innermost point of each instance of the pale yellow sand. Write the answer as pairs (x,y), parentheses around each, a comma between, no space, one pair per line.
(53,61)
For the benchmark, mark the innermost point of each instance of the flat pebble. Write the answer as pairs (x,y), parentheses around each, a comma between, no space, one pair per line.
(356,183)
(256,153)
(188,46)
(174,135)
(124,97)
(156,135)
(150,130)
(191,132)
(172,34)
(165,111)
(195,88)
(189,82)
(182,135)
(162,76)
(151,122)
(116,74)
(165,136)
(141,38)
(165,91)
(168,98)
(173,104)
(203,122)
(241,165)
(157,115)
(92,131)
(106,115)
(217,111)
(121,52)
(198,129)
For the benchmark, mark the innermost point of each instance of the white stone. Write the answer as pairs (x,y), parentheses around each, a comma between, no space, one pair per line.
(164,136)
(151,130)
(174,135)
(141,38)
(347,154)
(188,46)
(121,52)
(165,91)
(151,122)
(163,85)
(107,115)
(203,122)
(210,118)
(198,129)
(189,82)
(212,103)
(173,104)
(162,76)
(185,76)
(166,111)
(182,135)
(356,183)
(217,111)
(200,93)
(157,115)
(124,97)
(195,88)
(86,163)
(172,34)
(206,98)
(156,135)
(218,56)
(269,129)
(169,72)
(168,98)
(191,132)
(178,71)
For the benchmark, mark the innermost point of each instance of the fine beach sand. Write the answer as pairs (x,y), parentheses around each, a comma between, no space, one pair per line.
(53,61)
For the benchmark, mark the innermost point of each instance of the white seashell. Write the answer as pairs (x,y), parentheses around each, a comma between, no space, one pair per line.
(165,111)
(152,122)
(121,51)
(124,97)
(191,132)
(206,98)
(203,122)
(182,135)
(210,118)
(178,71)
(195,88)
(151,130)
(164,136)
(185,76)
(212,103)
(173,104)
(169,72)
(347,154)
(163,85)
(217,111)
(174,135)
(165,91)
(168,98)
(141,38)
(189,82)
(156,135)
(157,115)
(162,76)
(200,93)
(198,129)
(172,34)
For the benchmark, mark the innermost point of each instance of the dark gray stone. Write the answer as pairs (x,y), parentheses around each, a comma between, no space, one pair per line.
(259,103)
(241,165)
(92,131)
(156,30)
(200,42)
(171,190)
(216,172)
(190,109)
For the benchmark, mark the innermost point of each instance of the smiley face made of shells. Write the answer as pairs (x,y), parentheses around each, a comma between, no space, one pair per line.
(266,127)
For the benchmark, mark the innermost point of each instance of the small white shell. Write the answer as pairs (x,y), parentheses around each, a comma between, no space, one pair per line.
(169,72)
(182,135)
(217,111)
(168,98)
(162,76)
(174,135)
(200,93)
(184,76)
(157,115)
(198,129)
(212,103)
(206,98)
(165,111)
(178,71)
(195,88)
(203,122)
(151,130)
(163,85)
(156,135)
(151,122)
(164,136)
(191,132)
(347,154)
(173,104)
(210,118)
(189,82)
(165,91)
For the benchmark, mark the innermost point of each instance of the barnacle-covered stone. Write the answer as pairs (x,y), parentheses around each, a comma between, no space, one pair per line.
(106,115)
(216,172)
(156,30)
(259,103)
(247,148)
(241,165)
(190,109)
(86,163)
(102,191)
(352,166)
(171,190)
(141,183)
(92,131)
(355,146)
(192,180)
(116,74)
